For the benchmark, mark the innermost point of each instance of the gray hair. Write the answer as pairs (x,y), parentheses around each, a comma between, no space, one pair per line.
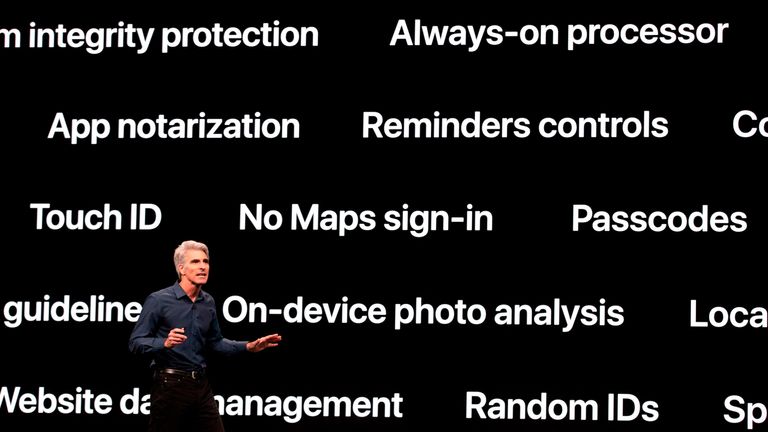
(181,252)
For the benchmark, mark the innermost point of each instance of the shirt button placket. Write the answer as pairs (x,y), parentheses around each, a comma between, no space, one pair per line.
(194,329)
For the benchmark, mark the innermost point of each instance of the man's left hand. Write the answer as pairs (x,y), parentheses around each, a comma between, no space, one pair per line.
(263,342)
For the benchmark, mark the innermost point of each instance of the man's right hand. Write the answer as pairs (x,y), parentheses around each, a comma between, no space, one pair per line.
(175,337)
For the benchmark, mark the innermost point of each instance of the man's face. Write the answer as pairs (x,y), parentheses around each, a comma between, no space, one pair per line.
(195,267)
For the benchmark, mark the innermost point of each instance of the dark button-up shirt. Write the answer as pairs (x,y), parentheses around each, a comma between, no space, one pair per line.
(171,308)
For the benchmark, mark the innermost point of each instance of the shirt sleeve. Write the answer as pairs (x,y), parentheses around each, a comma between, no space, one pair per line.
(144,338)
(218,343)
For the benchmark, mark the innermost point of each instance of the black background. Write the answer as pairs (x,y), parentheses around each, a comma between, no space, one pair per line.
(530,257)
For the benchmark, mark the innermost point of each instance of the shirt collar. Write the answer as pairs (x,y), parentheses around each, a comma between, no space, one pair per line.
(178,291)
(181,294)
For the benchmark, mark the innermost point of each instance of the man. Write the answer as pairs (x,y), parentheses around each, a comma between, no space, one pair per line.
(177,326)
